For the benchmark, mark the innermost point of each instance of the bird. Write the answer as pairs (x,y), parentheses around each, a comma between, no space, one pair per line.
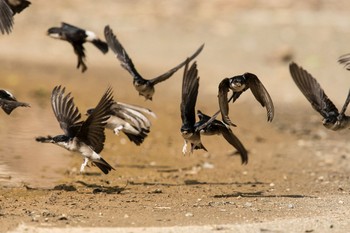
(192,130)
(129,119)
(312,90)
(239,84)
(145,87)
(190,85)
(86,137)
(77,37)
(217,127)
(8,8)
(8,102)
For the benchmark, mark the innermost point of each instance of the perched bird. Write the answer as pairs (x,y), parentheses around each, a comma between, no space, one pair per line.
(8,102)
(192,130)
(8,8)
(145,87)
(311,89)
(86,137)
(190,85)
(217,127)
(239,84)
(6,17)
(77,37)
(129,119)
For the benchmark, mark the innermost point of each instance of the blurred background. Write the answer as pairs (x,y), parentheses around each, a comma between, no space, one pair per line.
(257,36)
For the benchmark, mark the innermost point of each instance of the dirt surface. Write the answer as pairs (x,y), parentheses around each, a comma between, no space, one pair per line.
(298,172)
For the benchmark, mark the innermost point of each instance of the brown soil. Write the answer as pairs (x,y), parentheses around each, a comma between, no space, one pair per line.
(297,169)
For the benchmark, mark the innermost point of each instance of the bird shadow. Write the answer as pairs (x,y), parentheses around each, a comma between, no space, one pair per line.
(261,194)
(97,188)
(196,182)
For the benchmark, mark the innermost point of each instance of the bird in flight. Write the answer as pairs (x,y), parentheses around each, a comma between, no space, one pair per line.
(145,87)
(86,137)
(77,37)
(8,102)
(312,90)
(129,119)
(239,84)
(192,130)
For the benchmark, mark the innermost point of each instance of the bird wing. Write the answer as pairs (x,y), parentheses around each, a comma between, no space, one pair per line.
(121,54)
(223,101)
(345,60)
(312,90)
(18,6)
(66,112)
(6,18)
(235,142)
(71,28)
(92,129)
(260,93)
(9,105)
(169,73)
(190,85)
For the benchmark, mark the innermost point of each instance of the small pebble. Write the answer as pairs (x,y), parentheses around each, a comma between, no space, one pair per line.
(189,214)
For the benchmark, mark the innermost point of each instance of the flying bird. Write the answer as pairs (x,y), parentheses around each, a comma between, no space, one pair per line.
(192,130)
(145,87)
(239,84)
(129,119)
(86,137)
(311,89)
(8,8)
(217,127)
(77,37)
(8,102)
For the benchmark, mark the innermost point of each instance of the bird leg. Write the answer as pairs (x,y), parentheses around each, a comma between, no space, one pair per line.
(184,148)
(83,165)
(117,129)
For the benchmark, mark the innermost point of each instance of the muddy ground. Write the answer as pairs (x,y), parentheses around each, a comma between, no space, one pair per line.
(297,169)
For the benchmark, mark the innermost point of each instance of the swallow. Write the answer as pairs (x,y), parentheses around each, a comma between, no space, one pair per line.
(86,137)
(311,89)
(8,102)
(145,87)
(129,119)
(239,84)
(190,85)
(77,37)
(217,127)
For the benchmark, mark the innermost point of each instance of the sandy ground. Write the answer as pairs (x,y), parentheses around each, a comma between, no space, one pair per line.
(297,178)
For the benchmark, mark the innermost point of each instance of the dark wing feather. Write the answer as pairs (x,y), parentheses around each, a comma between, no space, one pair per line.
(80,52)
(121,54)
(66,112)
(92,130)
(312,90)
(6,18)
(190,85)
(169,73)
(345,60)
(235,142)
(260,93)
(70,28)
(223,101)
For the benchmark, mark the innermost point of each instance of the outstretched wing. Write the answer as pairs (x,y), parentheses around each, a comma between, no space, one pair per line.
(6,18)
(235,142)
(223,101)
(121,54)
(190,85)
(312,90)
(345,60)
(66,112)
(260,94)
(169,73)
(92,130)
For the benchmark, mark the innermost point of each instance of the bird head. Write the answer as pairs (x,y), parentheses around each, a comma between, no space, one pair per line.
(237,83)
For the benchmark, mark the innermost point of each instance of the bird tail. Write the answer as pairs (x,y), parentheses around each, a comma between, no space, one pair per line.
(103,165)
(47,139)
(101,45)
(137,139)
(8,107)
(198,146)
